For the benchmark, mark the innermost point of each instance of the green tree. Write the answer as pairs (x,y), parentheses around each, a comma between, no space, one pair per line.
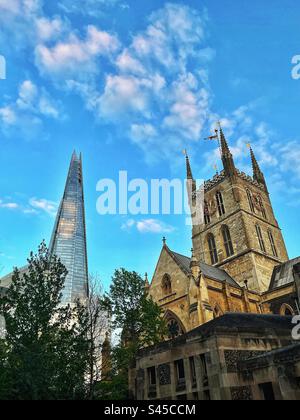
(5,378)
(46,345)
(133,311)
(138,317)
(153,326)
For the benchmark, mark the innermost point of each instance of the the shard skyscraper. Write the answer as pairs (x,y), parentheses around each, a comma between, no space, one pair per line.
(68,240)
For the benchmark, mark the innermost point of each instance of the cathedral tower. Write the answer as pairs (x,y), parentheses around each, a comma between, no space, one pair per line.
(240,233)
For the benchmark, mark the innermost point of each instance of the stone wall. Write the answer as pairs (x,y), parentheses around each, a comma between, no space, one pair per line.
(183,300)
(211,356)
(178,300)
(249,261)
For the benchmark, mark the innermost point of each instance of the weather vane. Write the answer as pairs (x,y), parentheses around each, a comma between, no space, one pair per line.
(215,167)
(216,137)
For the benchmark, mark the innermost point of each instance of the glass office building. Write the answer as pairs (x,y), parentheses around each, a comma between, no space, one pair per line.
(68,240)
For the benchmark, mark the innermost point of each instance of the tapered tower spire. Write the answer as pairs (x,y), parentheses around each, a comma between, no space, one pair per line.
(147,284)
(68,240)
(191,183)
(257,173)
(189,173)
(226,155)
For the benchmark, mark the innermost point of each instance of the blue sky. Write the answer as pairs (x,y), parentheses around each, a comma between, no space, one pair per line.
(130,85)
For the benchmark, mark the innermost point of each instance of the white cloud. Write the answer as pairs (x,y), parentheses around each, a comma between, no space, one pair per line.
(123,95)
(7,115)
(279,161)
(12,6)
(128,225)
(153,226)
(148,226)
(48,29)
(33,206)
(28,110)
(28,94)
(189,110)
(142,132)
(76,56)
(8,205)
(93,8)
(128,63)
(23,8)
(175,33)
(159,89)
(289,160)
(160,79)
(44,205)
(18,19)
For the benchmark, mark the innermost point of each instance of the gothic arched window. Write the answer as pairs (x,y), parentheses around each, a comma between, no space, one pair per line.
(175,327)
(250,199)
(227,241)
(212,249)
(260,238)
(166,284)
(220,203)
(206,213)
(272,242)
(262,208)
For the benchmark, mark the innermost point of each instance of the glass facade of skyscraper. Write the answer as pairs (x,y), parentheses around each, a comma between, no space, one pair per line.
(68,240)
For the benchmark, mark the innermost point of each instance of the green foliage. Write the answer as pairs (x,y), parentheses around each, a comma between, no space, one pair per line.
(114,390)
(139,319)
(46,346)
(153,326)
(133,311)
(5,378)
(126,294)
(49,350)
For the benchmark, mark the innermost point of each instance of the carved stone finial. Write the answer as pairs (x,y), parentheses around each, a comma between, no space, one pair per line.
(194,265)
(147,284)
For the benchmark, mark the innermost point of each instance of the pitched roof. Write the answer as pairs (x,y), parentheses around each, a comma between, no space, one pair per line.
(283,274)
(209,271)
(218,274)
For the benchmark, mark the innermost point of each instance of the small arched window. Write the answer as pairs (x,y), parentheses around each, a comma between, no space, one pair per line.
(206,213)
(250,200)
(272,242)
(260,239)
(220,203)
(227,241)
(166,284)
(262,207)
(286,310)
(212,249)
